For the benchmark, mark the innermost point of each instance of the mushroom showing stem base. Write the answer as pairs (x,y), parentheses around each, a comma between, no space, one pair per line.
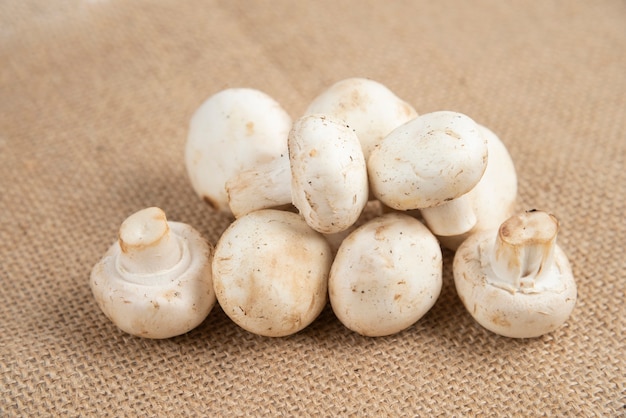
(492,200)
(156,280)
(427,162)
(515,280)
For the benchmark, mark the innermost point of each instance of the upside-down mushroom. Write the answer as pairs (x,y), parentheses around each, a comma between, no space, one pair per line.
(155,281)
(515,280)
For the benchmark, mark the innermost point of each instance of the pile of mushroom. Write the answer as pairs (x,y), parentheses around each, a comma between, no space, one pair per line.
(350,204)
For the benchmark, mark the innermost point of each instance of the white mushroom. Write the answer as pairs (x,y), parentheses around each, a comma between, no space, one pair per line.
(493,198)
(386,275)
(429,163)
(270,272)
(368,107)
(155,281)
(232,131)
(329,183)
(515,280)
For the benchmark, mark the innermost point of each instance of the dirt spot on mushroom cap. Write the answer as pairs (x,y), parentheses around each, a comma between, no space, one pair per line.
(171,294)
(250,128)
(500,320)
(453,134)
(359,100)
(380,233)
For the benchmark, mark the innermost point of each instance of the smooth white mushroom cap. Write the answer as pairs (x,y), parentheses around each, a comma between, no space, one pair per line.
(427,161)
(386,275)
(492,200)
(368,107)
(155,281)
(232,131)
(329,183)
(270,272)
(514,280)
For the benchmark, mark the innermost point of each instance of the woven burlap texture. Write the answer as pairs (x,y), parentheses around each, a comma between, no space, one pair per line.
(95,102)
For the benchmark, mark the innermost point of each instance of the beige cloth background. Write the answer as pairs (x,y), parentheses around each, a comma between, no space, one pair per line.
(95,101)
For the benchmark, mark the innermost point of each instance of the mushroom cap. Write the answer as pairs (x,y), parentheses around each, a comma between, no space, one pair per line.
(270,272)
(368,107)
(156,304)
(329,183)
(493,198)
(386,275)
(233,130)
(427,161)
(508,312)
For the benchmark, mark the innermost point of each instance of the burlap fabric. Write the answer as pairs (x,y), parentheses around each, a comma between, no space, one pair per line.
(95,102)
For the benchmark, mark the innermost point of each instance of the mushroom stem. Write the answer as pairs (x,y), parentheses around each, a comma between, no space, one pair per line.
(146,243)
(453,217)
(263,187)
(524,250)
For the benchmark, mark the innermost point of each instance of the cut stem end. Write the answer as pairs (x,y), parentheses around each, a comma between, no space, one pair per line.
(146,244)
(524,249)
